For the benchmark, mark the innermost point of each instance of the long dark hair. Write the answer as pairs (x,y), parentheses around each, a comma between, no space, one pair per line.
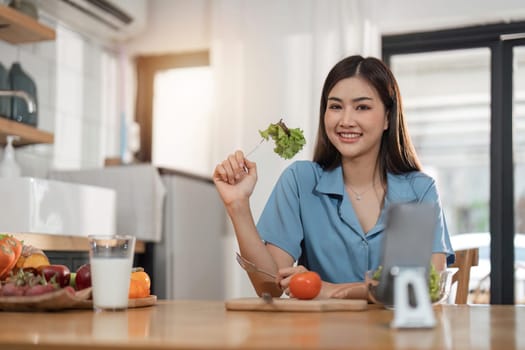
(396,154)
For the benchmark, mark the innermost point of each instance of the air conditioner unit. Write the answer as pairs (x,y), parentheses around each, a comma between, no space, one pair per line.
(108,19)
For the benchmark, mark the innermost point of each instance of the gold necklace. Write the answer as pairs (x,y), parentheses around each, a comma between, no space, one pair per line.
(359,196)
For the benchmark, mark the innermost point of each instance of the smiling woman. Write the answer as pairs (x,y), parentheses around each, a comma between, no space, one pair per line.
(312,220)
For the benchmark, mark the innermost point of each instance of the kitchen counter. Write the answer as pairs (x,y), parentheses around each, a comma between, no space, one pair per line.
(140,196)
(64,243)
(208,325)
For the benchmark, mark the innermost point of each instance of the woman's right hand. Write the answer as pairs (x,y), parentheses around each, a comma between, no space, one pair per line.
(235,178)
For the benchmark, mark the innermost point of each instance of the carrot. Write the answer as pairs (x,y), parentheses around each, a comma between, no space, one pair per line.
(10,250)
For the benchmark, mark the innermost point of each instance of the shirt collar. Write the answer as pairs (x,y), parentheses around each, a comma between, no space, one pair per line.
(399,189)
(331,182)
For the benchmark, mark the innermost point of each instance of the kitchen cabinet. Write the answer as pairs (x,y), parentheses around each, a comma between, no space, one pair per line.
(140,202)
(140,195)
(18,28)
(28,134)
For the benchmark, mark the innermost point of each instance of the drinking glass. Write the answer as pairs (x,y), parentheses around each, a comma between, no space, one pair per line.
(111,259)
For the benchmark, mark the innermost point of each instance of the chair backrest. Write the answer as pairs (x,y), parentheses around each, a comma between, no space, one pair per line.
(465,259)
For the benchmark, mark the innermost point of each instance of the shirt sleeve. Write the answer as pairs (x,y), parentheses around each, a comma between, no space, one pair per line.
(442,242)
(280,222)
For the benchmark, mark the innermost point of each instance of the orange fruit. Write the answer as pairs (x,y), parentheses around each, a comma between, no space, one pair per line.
(139,285)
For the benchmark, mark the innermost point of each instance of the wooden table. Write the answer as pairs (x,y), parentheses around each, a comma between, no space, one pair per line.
(207,325)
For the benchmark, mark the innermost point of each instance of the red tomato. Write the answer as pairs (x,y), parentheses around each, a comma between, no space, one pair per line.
(305,285)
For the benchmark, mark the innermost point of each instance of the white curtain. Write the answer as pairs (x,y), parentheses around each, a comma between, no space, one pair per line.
(270,59)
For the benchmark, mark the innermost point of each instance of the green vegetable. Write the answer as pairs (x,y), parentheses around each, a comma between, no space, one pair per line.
(287,141)
(433,281)
(377,273)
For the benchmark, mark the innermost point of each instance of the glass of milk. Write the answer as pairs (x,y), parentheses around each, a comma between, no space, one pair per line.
(111,259)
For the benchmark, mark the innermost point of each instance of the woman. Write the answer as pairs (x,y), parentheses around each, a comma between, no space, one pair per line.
(328,214)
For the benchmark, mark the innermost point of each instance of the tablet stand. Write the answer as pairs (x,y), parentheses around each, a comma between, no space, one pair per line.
(411,311)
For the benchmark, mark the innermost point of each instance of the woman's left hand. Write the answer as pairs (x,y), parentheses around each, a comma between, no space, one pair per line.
(357,290)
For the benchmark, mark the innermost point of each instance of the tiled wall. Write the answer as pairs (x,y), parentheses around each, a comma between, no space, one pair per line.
(76,80)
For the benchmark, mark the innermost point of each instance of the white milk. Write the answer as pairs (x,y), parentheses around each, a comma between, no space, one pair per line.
(110,281)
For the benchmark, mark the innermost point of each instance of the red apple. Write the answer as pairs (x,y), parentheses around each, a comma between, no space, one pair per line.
(83,277)
(61,274)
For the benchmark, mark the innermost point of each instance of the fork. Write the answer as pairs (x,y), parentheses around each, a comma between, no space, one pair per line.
(249,266)
(254,148)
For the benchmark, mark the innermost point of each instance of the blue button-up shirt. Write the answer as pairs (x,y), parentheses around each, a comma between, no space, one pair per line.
(310,216)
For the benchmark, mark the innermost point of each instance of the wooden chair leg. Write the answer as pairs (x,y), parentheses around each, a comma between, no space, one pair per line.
(465,259)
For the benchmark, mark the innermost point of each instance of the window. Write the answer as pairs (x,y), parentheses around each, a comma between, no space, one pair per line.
(463,91)
(181,120)
(148,67)
(446,99)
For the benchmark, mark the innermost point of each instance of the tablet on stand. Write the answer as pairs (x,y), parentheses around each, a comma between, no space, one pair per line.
(406,255)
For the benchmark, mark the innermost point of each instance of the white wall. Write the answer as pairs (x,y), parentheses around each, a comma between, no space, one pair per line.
(174,26)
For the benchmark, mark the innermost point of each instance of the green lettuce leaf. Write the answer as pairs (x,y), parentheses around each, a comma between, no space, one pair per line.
(288,141)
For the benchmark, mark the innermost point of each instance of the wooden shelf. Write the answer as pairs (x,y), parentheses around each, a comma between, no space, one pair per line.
(28,134)
(18,28)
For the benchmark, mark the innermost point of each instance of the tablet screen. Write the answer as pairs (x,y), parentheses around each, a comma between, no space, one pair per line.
(407,242)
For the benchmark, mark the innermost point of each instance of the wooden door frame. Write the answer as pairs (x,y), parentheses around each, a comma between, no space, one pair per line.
(146,68)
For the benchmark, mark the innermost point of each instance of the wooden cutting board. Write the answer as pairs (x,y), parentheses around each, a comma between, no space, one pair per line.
(284,304)
(141,302)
